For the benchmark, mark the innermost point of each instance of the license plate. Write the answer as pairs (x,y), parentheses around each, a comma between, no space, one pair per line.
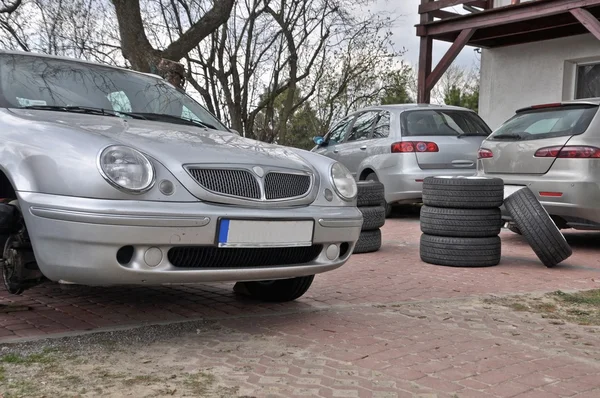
(250,233)
(510,189)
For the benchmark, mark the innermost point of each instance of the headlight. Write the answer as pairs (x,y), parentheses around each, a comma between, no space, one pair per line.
(343,182)
(126,169)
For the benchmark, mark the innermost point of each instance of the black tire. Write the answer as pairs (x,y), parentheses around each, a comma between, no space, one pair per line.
(384,203)
(370,193)
(460,252)
(368,242)
(463,192)
(537,227)
(466,223)
(513,228)
(278,290)
(373,217)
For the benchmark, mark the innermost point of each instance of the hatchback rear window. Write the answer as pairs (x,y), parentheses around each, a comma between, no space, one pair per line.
(546,123)
(442,122)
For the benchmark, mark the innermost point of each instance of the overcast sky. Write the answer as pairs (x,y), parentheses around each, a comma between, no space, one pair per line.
(405,35)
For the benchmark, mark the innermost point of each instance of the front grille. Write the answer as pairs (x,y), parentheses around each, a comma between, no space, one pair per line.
(215,257)
(239,183)
(283,185)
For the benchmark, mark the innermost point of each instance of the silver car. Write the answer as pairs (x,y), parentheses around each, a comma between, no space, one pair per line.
(123,179)
(554,149)
(400,145)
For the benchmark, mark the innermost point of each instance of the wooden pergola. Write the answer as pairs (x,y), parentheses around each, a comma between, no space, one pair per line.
(486,26)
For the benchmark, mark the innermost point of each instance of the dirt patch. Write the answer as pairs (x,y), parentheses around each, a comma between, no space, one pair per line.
(112,365)
(581,308)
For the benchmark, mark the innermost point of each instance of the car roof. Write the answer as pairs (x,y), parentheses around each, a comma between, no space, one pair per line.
(406,107)
(42,55)
(586,101)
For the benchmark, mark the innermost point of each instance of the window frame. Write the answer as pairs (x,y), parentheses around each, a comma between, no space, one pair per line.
(577,77)
(357,116)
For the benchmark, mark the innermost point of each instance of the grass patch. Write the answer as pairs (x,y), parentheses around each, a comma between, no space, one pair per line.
(582,308)
(199,383)
(141,380)
(589,297)
(2,373)
(43,357)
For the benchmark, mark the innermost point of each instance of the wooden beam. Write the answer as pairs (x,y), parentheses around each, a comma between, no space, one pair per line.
(588,20)
(456,47)
(504,15)
(443,14)
(425,60)
(439,4)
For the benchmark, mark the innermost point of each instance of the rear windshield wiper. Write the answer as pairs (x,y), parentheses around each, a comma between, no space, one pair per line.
(172,118)
(507,136)
(83,109)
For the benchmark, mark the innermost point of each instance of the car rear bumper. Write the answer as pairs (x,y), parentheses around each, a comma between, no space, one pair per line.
(405,184)
(76,240)
(578,205)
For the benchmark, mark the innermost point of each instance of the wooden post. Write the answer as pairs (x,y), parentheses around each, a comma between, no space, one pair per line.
(425,59)
(448,58)
(588,20)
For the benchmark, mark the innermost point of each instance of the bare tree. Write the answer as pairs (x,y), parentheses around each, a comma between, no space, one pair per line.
(9,6)
(143,56)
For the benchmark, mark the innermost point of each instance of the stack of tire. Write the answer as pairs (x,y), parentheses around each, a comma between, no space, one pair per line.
(461,221)
(371,203)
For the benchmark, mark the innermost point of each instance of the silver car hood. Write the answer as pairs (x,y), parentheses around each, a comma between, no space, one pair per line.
(172,144)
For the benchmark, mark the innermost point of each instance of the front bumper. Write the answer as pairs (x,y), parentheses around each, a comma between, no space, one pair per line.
(76,240)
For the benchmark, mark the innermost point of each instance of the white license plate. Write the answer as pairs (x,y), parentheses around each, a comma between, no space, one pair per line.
(510,189)
(250,233)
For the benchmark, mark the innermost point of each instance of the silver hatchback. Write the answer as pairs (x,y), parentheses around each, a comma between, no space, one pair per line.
(400,145)
(554,150)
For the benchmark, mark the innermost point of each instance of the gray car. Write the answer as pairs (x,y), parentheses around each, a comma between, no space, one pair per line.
(554,150)
(123,179)
(400,145)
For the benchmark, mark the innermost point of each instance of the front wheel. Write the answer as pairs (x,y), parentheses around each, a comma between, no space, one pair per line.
(277,290)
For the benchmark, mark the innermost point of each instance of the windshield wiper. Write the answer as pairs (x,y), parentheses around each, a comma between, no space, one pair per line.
(83,109)
(172,118)
(507,136)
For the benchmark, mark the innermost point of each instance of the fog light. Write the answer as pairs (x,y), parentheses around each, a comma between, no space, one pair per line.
(328,195)
(166,187)
(332,252)
(153,256)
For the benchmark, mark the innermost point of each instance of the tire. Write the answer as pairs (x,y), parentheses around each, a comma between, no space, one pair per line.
(466,223)
(370,193)
(537,227)
(373,217)
(277,290)
(368,242)
(463,192)
(460,252)
(388,207)
(513,228)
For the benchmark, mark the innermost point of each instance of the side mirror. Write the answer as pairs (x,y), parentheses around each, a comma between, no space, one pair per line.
(318,140)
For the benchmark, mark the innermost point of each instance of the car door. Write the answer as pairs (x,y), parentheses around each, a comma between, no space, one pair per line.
(456,133)
(333,139)
(354,148)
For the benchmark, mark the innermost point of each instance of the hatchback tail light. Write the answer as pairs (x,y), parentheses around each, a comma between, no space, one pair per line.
(484,154)
(414,146)
(569,152)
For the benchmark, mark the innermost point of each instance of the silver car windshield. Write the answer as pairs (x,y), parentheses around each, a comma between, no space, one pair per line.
(44,83)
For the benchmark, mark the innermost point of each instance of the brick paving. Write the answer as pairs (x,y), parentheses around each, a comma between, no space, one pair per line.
(383,325)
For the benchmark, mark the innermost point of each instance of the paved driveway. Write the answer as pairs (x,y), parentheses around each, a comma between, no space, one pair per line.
(384,325)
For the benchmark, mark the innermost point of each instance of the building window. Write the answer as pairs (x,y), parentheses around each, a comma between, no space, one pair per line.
(588,81)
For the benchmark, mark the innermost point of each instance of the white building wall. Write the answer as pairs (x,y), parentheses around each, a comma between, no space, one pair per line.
(527,74)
